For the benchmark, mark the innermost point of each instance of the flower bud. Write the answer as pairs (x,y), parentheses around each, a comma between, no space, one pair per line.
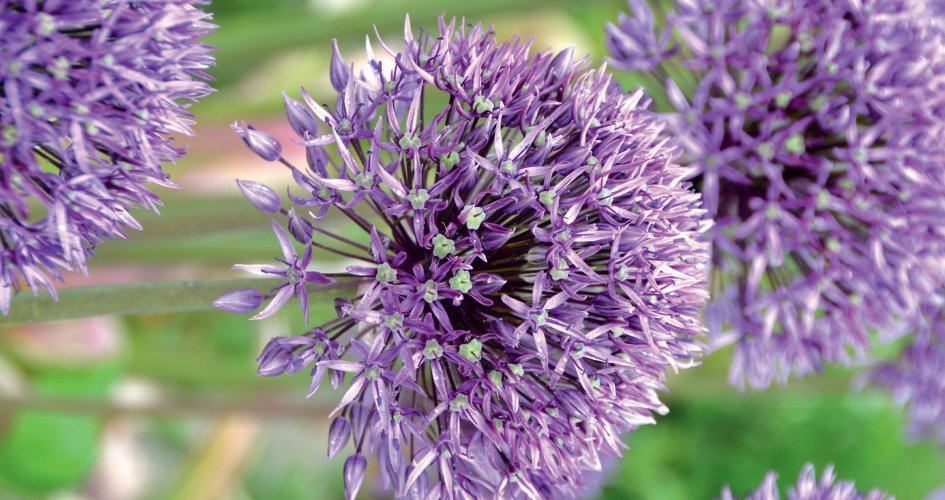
(300,117)
(339,70)
(355,467)
(338,436)
(299,228)
(242,301)
(261,143)
(261,196)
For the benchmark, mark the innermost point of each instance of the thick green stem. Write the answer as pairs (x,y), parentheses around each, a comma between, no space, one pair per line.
(142,298)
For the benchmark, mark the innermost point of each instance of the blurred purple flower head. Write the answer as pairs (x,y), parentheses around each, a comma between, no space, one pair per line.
(535,265)
(809,488)
(814,132)
(88,98)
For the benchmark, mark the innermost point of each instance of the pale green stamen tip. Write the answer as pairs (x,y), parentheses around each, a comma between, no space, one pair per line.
(547,197)
(552,411)
(459,403)
(563,236)
(385,273)
(593,160)
(861,155)
(595,382)
(622,273)
(540,317)
(472,351)
(432,349)
(833,245)
(617,331)
(449,161)
(499,426)
(823,198)
(783,99)
(560,273)
(418,198)
(461,282)
(409,142)
(476,216)
(795,144)
(772,211)
(831,67)
(605,198)
(508,167)
(766,150)
(429,291)
(483,105)
(9,134)
(496,377)
(364,180)
(517,369)
(394,321)
(443,246)
(344,126)
(578,350)
(742,100)
(35,109)
(372,373)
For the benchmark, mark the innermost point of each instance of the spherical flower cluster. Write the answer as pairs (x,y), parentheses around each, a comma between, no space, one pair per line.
(87,99)
(535,265)
(814,132)
(809,488)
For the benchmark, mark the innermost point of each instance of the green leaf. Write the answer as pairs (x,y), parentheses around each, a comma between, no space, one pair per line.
(43,452)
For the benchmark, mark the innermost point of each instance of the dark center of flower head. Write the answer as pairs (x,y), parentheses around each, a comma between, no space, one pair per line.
(532,245)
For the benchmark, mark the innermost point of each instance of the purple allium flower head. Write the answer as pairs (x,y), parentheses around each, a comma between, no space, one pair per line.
(809,488)
(89,90)
(813,131)
(535,266)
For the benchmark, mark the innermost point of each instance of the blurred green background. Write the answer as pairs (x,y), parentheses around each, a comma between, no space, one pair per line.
(169,407)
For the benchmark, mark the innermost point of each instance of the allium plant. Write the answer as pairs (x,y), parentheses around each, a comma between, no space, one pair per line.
(809,488)
(534,266)
(88,98)
(812,130)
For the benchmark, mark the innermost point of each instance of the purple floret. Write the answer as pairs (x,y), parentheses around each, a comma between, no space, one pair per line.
(535,266)
(813,130)
(808,487)
(87,101)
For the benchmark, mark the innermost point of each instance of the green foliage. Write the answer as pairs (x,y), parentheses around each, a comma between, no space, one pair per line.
(707,442)
(43,452)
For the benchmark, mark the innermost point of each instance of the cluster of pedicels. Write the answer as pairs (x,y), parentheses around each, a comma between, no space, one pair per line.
(813,130)
(87,98)
(533,264)
(808,487)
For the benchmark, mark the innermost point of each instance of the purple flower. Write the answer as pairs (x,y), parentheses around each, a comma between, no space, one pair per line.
(89,91)
(535,267)
(809,488)
(295,273)
(813,131)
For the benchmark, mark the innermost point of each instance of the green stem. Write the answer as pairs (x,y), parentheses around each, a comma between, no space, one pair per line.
(141,298)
